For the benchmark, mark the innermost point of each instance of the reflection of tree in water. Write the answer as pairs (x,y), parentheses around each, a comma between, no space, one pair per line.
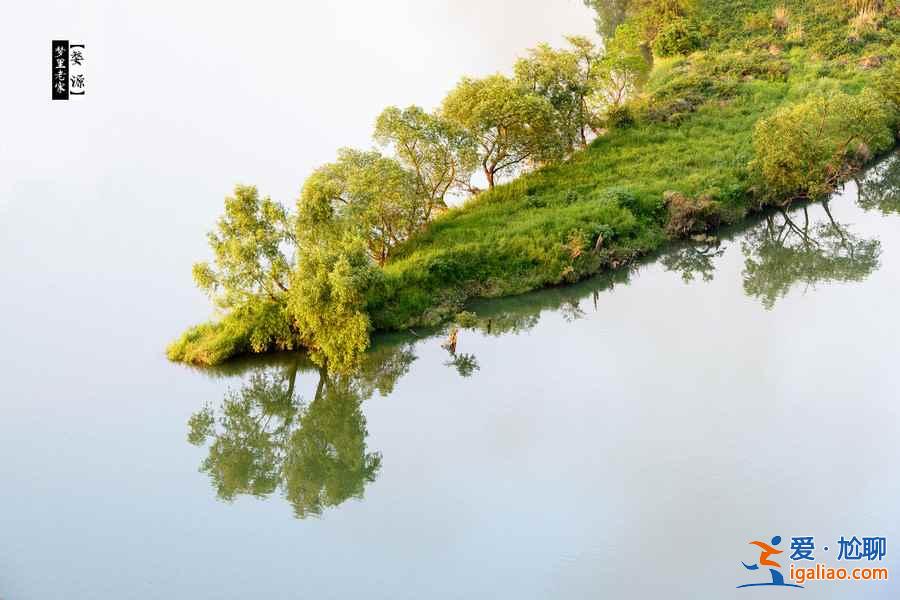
(880,189)
(785,250)
(694,258)
(264,437)
(465,364)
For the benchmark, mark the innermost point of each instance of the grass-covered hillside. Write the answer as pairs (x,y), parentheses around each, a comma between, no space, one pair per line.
(745,104)
(691,133)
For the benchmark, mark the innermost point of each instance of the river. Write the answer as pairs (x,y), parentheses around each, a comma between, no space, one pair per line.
(625,437)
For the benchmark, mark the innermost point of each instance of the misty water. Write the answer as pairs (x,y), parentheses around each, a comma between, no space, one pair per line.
(625,437)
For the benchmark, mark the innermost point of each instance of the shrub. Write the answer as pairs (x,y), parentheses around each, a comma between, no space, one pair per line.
(781,19)
(688,216)
(863,24)
(678,37)
(619,117)
(887,82)
(255,327)
(806,149)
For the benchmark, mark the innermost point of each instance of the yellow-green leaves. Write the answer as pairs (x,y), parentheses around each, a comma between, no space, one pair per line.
(512,127)
(327,300)
(566,78)
(364,194)
(806,149)
(439,154)
(253,247)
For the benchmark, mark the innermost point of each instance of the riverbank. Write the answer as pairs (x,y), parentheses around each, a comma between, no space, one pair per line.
(678,160)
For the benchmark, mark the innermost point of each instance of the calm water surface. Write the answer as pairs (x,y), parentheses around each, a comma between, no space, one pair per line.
(621,438)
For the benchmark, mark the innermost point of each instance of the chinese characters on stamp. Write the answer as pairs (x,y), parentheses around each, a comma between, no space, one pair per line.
(67,77)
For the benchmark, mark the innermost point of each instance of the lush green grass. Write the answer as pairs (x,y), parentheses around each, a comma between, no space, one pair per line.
(688,133)
(692,136)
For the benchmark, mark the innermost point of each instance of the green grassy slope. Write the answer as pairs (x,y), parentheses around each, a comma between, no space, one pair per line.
(688,132)
(692,135)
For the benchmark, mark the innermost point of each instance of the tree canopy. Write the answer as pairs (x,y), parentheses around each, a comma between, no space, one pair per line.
(367,195)
(806,149)
(440,155)
(253,245)
(511,126)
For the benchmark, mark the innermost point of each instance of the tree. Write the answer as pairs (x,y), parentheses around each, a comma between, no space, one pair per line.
(441,155)
(511,126)
(806,149)
(253,246)
(610,14)
(566,78)
(622,71)
(679,36)
(327,462)
(650,15)
(653,16)
(366,194)
(328,299)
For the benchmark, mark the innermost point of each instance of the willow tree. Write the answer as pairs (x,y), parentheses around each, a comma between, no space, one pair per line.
(441,155)
(328,300)
(622,70)
(610,14)
(511,126)
(566,78)
(364,194)
(806,149)
(650,15)
(253,246)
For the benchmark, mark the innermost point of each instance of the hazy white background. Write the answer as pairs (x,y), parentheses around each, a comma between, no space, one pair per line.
(256,92)
(116,189)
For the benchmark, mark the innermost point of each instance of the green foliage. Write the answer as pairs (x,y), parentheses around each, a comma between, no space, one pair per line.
(887,82)
(327,300)
(881,190)
(677,37)
(623,69)
(650,15)
(781,253)
(364,194)
(781,103)
(568,80)
(254,327)
(440,155)
(264,437)
(619,117)
(466,319)
(807,148)
(655,15)
(512,127)
(253,247)
(610,14)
